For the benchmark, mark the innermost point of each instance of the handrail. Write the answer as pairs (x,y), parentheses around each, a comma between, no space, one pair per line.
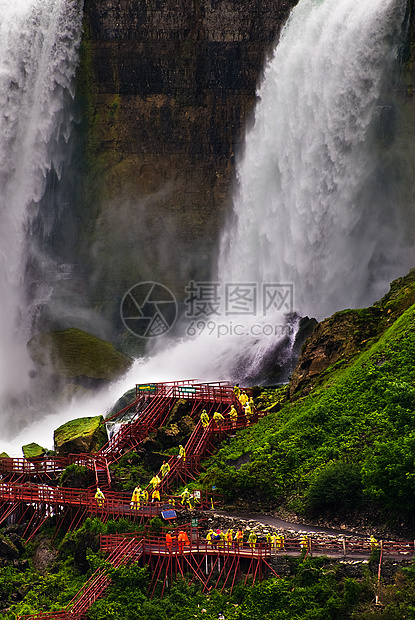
(154,545)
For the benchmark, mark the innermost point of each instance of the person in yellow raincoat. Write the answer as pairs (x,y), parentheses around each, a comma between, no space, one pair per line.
(155,496)
(164,469)
(243,398)
(218,417)
(135,499)
(155,481)
(204,418)
(233,414)
(186,498)
(143,496)
(252,539)
(278,542)
(99,498)
(248,413)
(182,453)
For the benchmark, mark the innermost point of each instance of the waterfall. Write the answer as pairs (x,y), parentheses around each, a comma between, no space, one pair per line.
(321,186)
(322,200)
(39,42)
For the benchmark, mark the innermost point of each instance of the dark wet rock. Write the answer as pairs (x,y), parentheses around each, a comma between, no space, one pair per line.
(44,556)
(8,550)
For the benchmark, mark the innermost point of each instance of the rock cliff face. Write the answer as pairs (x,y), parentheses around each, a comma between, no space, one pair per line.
(339,338)
(168,88)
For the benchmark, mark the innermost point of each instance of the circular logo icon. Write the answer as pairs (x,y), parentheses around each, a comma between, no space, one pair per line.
(148,309)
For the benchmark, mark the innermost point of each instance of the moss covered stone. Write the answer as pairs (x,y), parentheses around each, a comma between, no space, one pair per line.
(33,451)
(80,436)
(72,353)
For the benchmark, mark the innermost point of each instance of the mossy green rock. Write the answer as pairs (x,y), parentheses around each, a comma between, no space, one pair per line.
(74,353)
(80,436)
(33,451)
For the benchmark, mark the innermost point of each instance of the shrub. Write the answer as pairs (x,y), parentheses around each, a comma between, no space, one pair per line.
(76,477)
(338,487)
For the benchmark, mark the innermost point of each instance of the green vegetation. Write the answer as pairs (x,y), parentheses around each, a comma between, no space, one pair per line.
(76,476)
(130,471)
(33,450)
(352,438)
(315,589)
(342,444)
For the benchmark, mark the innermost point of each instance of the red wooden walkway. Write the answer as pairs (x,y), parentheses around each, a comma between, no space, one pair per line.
(23,500)
(212,566)
(154,406)
(94,588)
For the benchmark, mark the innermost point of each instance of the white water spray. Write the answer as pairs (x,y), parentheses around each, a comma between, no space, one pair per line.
(320,202)
(321,186)
(39,40)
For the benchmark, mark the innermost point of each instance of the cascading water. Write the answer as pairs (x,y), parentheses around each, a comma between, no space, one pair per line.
(322,198)
(321,190)
(39,40)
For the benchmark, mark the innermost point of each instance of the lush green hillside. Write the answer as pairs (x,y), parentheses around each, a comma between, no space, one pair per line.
(350,440)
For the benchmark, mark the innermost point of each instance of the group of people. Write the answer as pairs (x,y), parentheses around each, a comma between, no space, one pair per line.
(188,499)
(247,404)
(141,496)
(231,540)
(217,417)
(182,541)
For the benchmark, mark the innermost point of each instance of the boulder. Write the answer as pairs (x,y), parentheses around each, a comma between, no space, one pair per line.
(187,425)
(80,436)
(77,357)
(33,451)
